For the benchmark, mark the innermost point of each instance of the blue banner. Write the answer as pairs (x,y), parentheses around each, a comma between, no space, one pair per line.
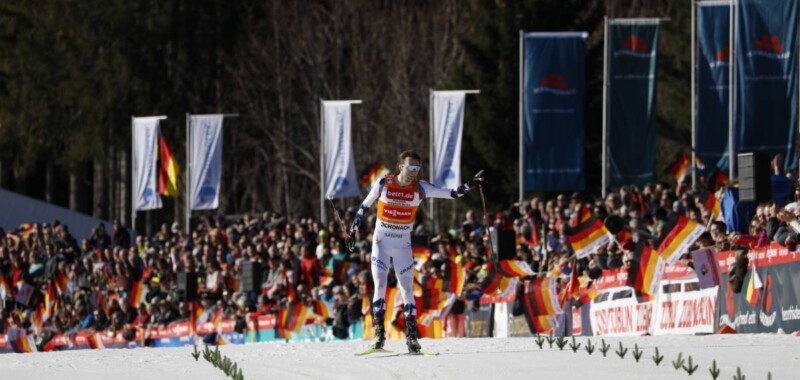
(766,78)
(631,130)
(711,86)
(553,102)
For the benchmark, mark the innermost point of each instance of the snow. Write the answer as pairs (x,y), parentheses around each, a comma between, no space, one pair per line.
(463,359)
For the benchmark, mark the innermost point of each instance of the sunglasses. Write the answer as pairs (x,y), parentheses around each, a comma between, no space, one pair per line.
(413,168)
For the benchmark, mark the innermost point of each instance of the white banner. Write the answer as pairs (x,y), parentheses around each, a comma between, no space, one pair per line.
(205,151)
(145,154)
(684,308)
(448,123)
(339,175)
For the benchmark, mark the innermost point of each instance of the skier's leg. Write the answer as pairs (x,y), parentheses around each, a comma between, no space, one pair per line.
(380,271)
(404,268)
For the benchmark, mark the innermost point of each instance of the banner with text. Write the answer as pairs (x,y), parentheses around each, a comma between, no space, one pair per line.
(448,125)
(711,86)
(339,174)
(205,151)
(553,111)
(631,130)
(765,115)
(145,154)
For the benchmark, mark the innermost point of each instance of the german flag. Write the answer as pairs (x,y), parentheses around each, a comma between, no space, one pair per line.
(293,317)
(323,309)
(38,318)
(753,288)
(588,237)
(712,204)
(639,201)
(366,305)
(5,289)
(681,168)
(624,235)
(168,170)
(421,256)
(290,291)
(195,312)
(543,324)
(720,180)
(682,234)
(514,268)
(95,341)
(23,344)
(454,277)
(537,322)
(375,171)
(138,293)
(497,285)
(586,296)
(644,275)
(49,301)
(61,282)
(340,270)
(541,292)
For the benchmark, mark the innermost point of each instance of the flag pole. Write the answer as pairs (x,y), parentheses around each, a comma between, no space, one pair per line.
(431,160)
(604,160)
(731,82)
(694,92)
(521,105)
(188,187)
(133,173)
(322,217)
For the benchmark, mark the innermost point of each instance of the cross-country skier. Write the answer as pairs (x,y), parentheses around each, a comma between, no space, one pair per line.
(398,195)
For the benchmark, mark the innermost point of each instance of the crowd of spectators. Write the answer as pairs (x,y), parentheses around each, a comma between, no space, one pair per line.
(305,260)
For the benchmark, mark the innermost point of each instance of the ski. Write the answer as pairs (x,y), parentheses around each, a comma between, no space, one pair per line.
(422,353)
(373,351)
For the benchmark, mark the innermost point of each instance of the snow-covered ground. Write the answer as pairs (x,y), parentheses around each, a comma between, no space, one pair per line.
(476,358)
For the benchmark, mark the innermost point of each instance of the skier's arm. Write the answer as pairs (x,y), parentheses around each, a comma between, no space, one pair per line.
(372,196)
(432,191)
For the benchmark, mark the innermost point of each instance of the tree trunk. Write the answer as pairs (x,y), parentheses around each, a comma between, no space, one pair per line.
(122,183)
(49,179)
(99,198)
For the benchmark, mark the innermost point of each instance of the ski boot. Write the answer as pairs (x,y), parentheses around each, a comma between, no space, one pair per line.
(411,329)
(411,337)
(378,312)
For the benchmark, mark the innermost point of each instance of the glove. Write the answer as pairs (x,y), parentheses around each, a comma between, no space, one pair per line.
(350,243)
(476,180)
(356,223)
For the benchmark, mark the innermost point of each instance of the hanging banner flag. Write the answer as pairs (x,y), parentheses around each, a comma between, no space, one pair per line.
(448,123)
(168,170)
(553,94)
(711,83)
(339,174)
(631,134)
(205,152)
(145,155)
(765,116)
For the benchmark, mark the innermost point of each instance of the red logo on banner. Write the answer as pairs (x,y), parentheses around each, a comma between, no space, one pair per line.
(769,43)
(729,307)
(400,195)
(724,54)
(554,81)
(637,44)
(766,304)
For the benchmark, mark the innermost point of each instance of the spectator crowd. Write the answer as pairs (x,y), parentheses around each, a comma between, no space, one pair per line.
(88,284)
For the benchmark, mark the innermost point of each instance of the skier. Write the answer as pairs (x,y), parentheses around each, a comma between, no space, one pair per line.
(398,195)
